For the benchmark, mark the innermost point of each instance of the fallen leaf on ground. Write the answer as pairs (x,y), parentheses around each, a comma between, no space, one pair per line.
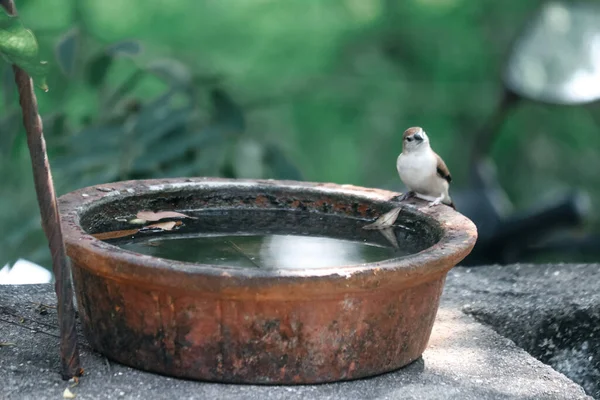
(7,344)
(157,216)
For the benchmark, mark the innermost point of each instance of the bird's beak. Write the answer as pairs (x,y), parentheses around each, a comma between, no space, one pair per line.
(418,137)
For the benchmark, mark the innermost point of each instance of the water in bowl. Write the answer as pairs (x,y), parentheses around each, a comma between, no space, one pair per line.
(270,239)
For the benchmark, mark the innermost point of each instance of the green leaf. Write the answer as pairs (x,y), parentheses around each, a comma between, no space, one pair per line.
(162,126)
(9,128)
(124,88)
(227,114)
(81,164)
(171,71)
(97,69)
(247,159)
(9,87)
(281,166)
(104,174)
(228,170)
(207,79)
(151,117)
(94,139)
(19,46)
(66,51)
(55,125)
(173,149)
(125,48)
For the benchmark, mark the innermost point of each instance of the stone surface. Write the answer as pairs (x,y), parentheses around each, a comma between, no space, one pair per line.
(464,360)
(552,311)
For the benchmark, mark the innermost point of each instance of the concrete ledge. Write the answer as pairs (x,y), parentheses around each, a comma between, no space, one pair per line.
(464,360)
(552,311)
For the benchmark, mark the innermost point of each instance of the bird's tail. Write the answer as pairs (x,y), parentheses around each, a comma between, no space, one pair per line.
(450,203)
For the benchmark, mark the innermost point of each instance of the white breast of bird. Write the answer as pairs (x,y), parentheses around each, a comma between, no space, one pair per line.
(418,171)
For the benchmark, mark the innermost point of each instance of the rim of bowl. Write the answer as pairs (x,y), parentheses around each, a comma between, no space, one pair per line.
(457,239)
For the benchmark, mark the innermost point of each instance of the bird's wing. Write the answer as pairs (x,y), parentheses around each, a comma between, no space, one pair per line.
(442,169)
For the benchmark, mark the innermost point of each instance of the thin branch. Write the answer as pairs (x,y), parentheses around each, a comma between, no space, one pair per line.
(50,217)
(31,320)
(29,328)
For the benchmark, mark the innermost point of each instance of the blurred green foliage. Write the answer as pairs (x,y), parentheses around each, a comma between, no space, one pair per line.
(303,89)
(19,46)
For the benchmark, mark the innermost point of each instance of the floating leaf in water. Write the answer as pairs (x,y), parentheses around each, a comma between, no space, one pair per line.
(157,216)
(390,236)
(138,221)
(115,234)
(165,226)
(19,46)
(386,220)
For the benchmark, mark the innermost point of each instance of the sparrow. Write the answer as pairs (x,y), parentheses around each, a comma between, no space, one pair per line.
(422,170)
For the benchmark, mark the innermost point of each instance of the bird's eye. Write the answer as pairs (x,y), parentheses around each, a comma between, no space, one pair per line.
(409,138)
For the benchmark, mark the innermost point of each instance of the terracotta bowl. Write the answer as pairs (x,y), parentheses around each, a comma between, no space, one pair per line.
(285,326)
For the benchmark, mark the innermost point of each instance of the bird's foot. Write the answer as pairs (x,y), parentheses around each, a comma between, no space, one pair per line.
(404,196)
(436,202)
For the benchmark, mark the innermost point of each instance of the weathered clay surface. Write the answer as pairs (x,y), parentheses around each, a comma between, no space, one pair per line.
(255,325)
(465,360)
